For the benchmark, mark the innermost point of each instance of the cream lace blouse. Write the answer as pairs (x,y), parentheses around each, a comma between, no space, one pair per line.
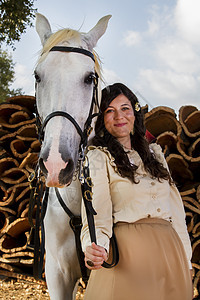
(117,199)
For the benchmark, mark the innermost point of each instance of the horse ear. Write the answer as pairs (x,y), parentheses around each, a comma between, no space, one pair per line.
(97,31)
(43,28)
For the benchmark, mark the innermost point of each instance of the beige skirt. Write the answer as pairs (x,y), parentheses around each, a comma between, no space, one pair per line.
(152,265)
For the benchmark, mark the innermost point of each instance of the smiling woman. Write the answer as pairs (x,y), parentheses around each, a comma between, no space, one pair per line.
(133,194)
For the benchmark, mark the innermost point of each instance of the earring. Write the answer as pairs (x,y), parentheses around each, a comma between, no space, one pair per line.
(132,131)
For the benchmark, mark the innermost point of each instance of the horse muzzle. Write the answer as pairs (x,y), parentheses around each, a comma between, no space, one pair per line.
(58,173)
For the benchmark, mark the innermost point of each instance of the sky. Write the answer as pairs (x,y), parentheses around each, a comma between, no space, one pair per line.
(152,46)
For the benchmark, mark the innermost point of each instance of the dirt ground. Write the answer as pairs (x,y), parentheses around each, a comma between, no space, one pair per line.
(11,289)
(21,290)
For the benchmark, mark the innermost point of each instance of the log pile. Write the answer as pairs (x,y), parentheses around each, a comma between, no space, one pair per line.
(180,141)
(19,148)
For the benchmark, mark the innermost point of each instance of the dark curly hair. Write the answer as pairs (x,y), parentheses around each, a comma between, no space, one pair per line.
(138,141)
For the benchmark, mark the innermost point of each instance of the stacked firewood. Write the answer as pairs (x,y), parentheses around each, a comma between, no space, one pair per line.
(19,148)
(180,141)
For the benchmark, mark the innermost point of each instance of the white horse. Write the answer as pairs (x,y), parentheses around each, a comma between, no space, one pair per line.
(64,82)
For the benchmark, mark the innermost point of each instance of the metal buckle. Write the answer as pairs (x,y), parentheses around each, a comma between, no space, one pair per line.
(88,195)
(31,177)
(88,180)
(89,131)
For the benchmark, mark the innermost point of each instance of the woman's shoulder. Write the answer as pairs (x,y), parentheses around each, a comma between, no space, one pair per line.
(98,152)
(157,151)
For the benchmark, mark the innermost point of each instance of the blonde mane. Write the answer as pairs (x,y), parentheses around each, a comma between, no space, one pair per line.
(65,35)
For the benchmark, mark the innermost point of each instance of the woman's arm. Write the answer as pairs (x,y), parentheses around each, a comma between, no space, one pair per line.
(177,208)
(179,222)
(102,205)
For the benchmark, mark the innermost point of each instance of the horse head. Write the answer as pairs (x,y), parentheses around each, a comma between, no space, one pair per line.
(64,83)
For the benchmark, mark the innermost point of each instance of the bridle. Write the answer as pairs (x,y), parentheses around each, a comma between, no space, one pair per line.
(87,127)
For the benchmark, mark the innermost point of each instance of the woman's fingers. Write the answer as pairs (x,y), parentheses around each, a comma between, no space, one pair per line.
(95,256)
(101,250)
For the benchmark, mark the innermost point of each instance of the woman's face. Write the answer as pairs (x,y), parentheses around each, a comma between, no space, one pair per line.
(119,118)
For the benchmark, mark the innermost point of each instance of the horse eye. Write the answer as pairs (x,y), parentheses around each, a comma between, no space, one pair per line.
(89,79)
(37,77)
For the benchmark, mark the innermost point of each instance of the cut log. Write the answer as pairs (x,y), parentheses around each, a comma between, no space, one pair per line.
(14,176)
(179,169)
(189,117)
(9,268)
(192,204)
(19,148)
(183,151)
(198,193)
(4,221)
(194,149)
(20,191)
(8,210)
(7,137)
(27,254)
(185,111)
(29,162)
(162,119)
(27,133)
(3,131)
(190,221)
(24,101)
(7,198)
(7,163)
(196,230)
(196,251)
(192,124)
(19,276)
(168,139)
(17,261)
(22,206)
(188,192)
(8,113)
(16,236)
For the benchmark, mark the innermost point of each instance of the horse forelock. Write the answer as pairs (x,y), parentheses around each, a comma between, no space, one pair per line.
(66,35)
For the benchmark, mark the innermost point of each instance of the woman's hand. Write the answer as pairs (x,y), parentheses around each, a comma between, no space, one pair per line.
(95,256)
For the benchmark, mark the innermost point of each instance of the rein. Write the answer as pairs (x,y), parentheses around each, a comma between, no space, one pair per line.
(84,177)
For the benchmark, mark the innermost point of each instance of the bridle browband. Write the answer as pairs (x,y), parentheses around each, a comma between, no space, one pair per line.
(73,49)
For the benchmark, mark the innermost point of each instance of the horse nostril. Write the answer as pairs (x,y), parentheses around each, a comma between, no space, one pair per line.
(42,166)
(67,172)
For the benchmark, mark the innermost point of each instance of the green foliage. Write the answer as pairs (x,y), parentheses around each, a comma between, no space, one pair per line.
(15,16)
(7,76)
